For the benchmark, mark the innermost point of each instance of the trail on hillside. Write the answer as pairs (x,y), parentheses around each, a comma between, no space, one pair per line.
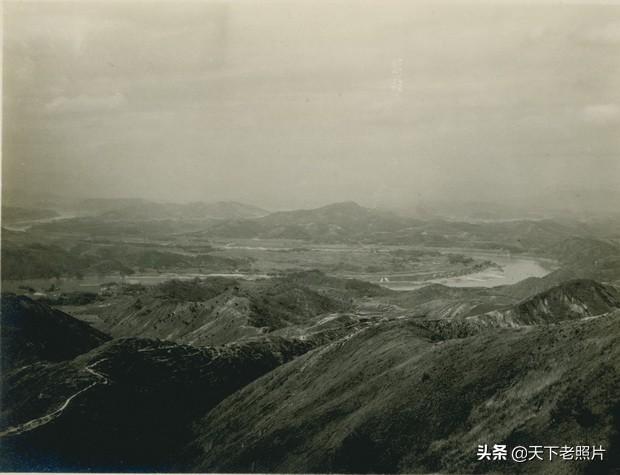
(40,421)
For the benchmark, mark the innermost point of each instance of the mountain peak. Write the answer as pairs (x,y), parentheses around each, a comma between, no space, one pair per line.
(344,205)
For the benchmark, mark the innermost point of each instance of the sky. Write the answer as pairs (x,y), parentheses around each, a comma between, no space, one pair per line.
(292,103)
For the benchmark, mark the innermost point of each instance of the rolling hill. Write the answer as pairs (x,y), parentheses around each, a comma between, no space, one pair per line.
(350,222)
(335,222)
(390,399)
(570,300)
(147,210)
(126,404)
(216,310)
(13,214)
(582,250)
(330,388)
(23,257)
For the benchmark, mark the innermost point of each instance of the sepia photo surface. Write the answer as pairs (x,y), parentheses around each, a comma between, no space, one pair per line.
(352,236)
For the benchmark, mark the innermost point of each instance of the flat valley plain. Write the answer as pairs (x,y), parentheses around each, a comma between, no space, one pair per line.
(396,267)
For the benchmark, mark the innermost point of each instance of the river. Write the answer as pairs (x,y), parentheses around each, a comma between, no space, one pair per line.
(510,271)
(513,270)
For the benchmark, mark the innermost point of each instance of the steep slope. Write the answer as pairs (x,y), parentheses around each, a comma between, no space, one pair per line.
(213,311)
(568,301)
(33,332)
(389,400)
(530,301)
(128,404)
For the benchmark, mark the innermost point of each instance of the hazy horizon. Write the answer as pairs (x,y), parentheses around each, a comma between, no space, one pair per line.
(298,104)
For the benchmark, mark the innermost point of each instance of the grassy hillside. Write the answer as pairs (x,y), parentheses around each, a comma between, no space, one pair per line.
(568,301)
(28,259)
(389,399)
(215,311)
(129,404)
(33,332)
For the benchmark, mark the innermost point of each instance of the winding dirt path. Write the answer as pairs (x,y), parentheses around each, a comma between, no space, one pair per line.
(40,421)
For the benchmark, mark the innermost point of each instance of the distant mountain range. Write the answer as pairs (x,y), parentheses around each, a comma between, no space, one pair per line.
(137,209)
(12,214)
(350,222)
(339,221)
(556,203)
(585,250)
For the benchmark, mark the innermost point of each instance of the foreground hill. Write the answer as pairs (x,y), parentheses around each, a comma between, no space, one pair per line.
(33,332)
(128,404)
(343,392)
(390,400)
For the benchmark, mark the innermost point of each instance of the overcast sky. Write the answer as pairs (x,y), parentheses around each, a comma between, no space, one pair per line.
(300,103)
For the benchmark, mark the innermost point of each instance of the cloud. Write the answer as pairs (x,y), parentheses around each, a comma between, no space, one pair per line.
(86,103)
(602,113)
